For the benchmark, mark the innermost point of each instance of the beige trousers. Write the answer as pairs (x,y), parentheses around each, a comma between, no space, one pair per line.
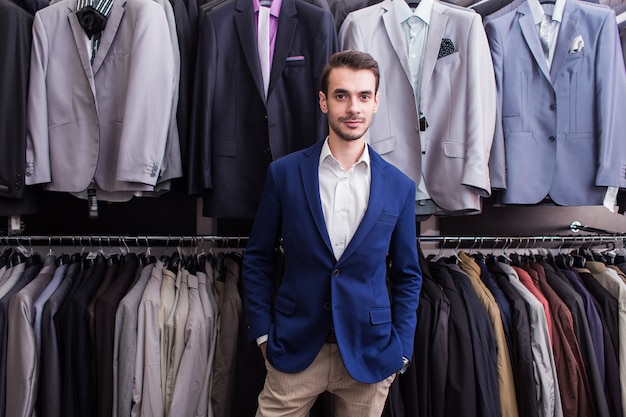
(293,394)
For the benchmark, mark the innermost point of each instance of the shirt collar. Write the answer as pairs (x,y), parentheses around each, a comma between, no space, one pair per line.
(365,156)
(274,8)
(537,10)
(423,10)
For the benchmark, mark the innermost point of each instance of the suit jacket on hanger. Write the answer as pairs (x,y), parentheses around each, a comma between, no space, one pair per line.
(458,94)
(559,128)
(119,106)
(236,133)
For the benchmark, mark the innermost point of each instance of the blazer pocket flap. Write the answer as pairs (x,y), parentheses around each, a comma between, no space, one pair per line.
(225,148)
(380,316)
(387,218)
(453,149)
(385,145)
(285,305)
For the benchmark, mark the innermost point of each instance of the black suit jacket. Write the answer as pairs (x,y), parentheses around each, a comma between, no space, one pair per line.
(15,43)
(236,133)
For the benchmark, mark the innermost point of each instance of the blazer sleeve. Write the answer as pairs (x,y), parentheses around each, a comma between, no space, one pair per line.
(611,102)
(199,156)
(152,85)
(37,144)
(482,95)
(497,164)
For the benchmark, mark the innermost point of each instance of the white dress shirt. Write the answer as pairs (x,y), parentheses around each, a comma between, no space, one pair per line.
(556,10)
(344,195)
(414,25)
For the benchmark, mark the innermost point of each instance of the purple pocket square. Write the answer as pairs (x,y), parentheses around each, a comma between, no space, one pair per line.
(295,58)
(446,48)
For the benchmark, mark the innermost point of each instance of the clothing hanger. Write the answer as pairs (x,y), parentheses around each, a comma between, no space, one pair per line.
(413,4)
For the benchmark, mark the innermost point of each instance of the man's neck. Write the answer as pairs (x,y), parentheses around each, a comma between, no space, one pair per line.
(346,152)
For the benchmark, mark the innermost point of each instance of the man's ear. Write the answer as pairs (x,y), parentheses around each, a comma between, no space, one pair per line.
(323,104)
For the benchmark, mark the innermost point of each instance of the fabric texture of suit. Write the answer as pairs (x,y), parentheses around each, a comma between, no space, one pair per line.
(582,335)
(236,132)
(550,117)
(78,394)
(30,272)
(146,394)
(125,344)
(191,370)
(48,404)
(105,310)
(15,45)
(506,385)
(317,290)
(523,368)
(230,308)
(460,394)
(22,358)
(458,140)
(119,106)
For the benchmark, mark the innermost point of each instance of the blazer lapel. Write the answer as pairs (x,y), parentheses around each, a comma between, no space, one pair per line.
(394,31)
(529,32)
(113,23)
(375,204)
(287,24)
(244,20)
(310,179)
(566,34)
(437,25)
(81,44)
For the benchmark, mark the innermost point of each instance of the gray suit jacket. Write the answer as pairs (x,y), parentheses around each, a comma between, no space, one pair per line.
(559,131)
(22,359)
(119,106)
(458,95)
(125,345)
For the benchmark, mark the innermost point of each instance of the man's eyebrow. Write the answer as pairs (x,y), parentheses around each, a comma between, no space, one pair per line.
(344,91)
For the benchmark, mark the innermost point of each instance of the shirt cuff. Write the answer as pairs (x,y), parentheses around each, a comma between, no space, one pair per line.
(261,339)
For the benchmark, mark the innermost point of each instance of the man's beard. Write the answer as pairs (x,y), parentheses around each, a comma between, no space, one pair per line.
(348,135)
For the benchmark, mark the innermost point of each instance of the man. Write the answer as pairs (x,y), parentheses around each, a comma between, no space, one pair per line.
(342,213)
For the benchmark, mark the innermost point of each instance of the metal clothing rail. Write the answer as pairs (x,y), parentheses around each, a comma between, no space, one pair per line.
(124,240)
(502,242)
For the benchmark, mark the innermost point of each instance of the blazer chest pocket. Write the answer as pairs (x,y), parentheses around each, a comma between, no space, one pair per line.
(295,61)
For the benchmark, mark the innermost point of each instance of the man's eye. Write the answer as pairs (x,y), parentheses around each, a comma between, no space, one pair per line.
(340,96)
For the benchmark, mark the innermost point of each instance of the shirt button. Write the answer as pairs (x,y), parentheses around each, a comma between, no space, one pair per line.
(552,106)
(551,138)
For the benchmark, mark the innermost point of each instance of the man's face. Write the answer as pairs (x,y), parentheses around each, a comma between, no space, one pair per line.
(350,103)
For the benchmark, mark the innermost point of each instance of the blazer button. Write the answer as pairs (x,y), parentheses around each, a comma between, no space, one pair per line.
(336,273)
(551,138)
(327,306)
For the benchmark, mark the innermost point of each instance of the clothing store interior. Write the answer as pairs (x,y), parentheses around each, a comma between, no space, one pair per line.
(135,140)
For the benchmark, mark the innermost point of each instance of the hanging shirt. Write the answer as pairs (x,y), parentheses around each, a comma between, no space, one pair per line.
(556,11)
(274,14)
(414,25)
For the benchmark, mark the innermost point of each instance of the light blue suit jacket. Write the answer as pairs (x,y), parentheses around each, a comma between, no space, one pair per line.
(374,327)
(559,131)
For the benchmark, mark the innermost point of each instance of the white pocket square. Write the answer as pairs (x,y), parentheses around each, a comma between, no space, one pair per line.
(577,45)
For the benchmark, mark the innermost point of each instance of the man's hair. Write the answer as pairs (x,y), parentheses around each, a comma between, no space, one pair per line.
(355,60)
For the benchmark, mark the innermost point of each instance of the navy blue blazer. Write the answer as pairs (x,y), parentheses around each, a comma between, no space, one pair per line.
(374,326)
